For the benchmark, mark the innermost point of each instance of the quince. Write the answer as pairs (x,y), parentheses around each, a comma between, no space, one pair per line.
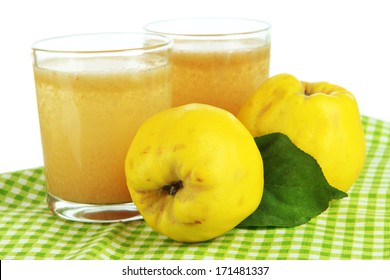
(321,119)
(194,172)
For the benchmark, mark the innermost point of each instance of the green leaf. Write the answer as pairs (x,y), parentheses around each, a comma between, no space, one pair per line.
(295,189)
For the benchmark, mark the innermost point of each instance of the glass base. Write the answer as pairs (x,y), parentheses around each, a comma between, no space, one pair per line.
(93,213)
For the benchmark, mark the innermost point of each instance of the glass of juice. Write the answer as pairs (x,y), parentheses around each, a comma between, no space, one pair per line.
(93,92)
(217,61)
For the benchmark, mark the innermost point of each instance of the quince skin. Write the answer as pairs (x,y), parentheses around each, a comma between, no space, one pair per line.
(194,172)
(321,119)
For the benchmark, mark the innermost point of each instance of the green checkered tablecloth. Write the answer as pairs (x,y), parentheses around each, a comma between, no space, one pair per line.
(356,227)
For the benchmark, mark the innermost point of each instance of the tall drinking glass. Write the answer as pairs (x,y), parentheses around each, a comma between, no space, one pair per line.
(93,92)
(217,61)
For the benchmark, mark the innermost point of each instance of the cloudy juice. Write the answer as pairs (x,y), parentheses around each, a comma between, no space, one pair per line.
(220,74)
(88,119)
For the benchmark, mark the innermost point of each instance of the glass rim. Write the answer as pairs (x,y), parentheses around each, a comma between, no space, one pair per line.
(263,26)
(47,45)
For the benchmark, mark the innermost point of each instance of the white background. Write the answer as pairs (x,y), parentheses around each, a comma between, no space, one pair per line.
(342,42)
(102,270)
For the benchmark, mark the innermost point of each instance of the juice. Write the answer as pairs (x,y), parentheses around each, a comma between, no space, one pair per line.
(88,120)
(222,74)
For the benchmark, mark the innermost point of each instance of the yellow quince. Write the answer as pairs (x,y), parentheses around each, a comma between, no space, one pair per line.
(321,119)
(194,172)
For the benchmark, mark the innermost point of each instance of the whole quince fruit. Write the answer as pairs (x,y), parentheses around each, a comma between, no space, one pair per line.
(194,172)
(320,118)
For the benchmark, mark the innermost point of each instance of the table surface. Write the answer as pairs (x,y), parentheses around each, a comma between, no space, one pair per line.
(356,227)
